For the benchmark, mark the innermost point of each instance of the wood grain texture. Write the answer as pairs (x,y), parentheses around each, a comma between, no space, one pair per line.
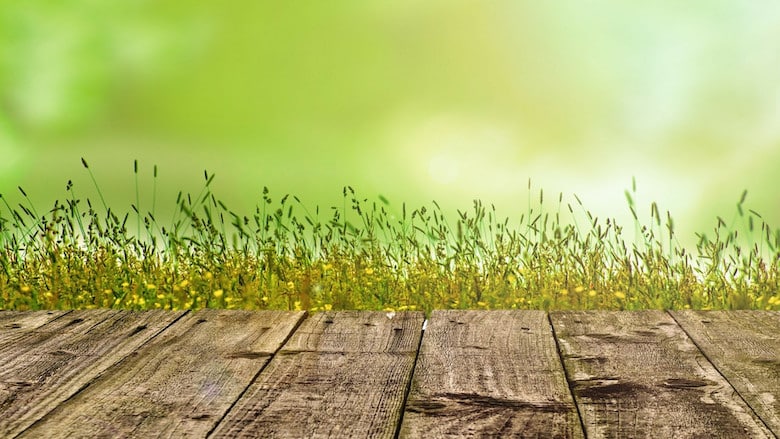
(15,325)
(56,360)
(637,374)
(489,373)
(342,374)
(178,385)
(745,347)
(26,319)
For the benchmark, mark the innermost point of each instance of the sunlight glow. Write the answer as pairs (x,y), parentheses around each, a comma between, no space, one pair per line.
(443,168)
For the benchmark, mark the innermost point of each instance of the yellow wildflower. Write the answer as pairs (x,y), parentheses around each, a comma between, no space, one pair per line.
(218,294)
(620,295)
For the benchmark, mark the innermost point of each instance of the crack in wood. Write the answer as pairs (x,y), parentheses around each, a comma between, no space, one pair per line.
(608,388)
(445,404)
(249,355)
(683,383)
(137,330)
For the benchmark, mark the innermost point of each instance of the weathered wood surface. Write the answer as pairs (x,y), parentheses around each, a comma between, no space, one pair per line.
(55,361)
(181,383)
(218,373)
(27,319)
(745,347)
(15,325)
(342,374)
(637,374)
(493,374)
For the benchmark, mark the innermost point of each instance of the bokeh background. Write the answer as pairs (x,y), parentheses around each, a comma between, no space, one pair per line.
(415,100)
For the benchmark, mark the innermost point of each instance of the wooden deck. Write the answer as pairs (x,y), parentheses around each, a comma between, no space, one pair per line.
(217,373)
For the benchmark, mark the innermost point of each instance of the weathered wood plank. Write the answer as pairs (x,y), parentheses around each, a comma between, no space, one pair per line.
(12,319)
(489,373)
(17,324)
(56,360)
(637,374)
(341,374)
(745,347)
(179,384)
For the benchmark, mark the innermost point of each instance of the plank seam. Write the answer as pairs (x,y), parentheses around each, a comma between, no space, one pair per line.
(408,389)
(99,375)
(725,378)
(257,375)
(569,381)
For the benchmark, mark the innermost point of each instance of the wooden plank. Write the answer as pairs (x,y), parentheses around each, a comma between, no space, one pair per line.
(489,373)
(14,319)
(341,374)
(637,374)
(179,384)
(745,347)
(18,324)
(41,328)
(56,360)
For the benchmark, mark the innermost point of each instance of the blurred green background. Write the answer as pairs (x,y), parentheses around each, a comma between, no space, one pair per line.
(416,100)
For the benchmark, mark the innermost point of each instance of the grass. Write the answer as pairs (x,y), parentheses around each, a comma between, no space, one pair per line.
(371,255)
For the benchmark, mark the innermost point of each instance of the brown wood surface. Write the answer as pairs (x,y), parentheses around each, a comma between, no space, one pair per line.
(489,373)
(180,384)
(745,347)
(29,319)
(56,360)
(341,374)
(108,373)
(15,325)
(637,374)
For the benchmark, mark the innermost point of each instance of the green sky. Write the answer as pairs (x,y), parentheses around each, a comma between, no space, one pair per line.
(447,100)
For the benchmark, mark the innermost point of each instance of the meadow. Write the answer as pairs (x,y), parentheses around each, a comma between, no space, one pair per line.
(375,255)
